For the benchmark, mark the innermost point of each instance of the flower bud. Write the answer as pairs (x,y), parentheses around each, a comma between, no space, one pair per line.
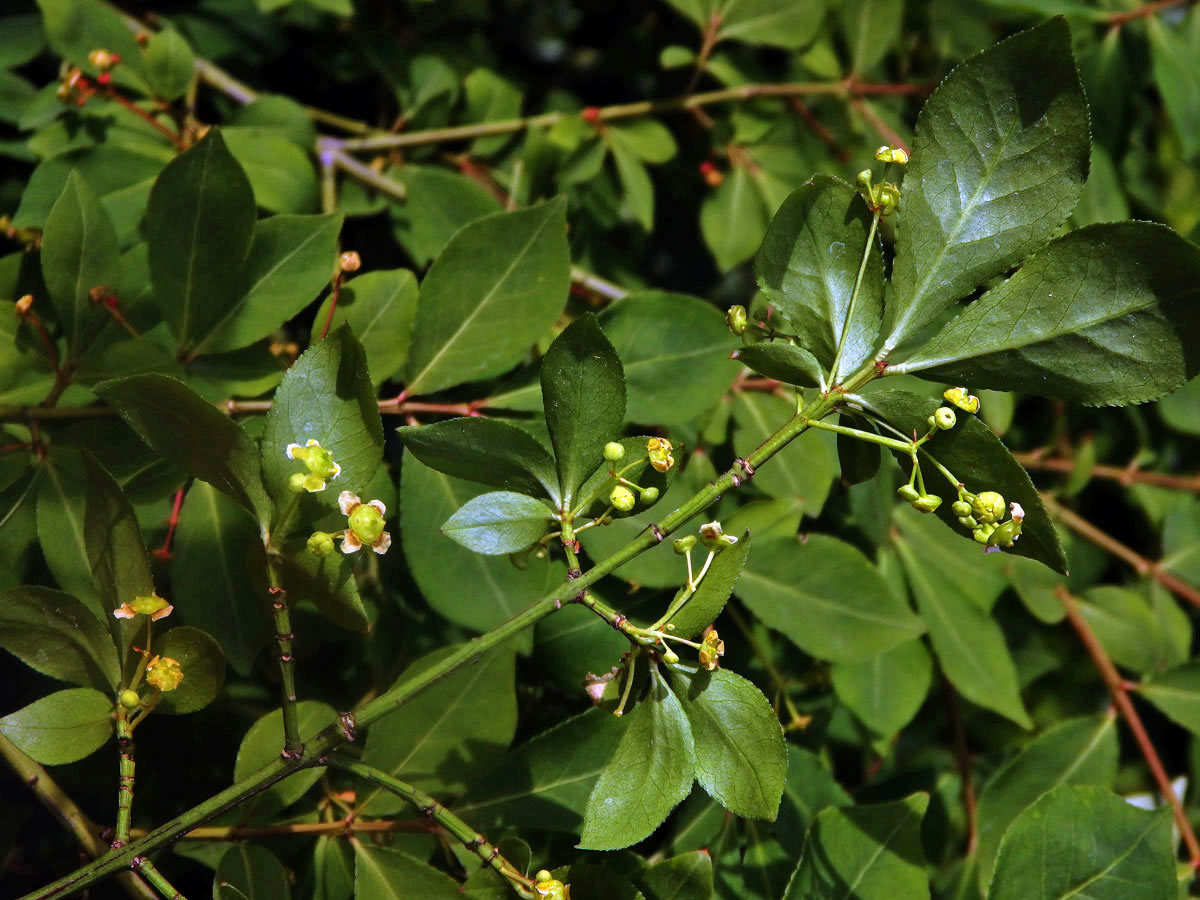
(960,398)
(130,699)
(684,545)
(622,498)
(961,508)
(320,544)
(968,522)
(103,59)
(988,507)
(1005,534)
(897,155)
(864,179)
(613,451)
(944,418)
(670,657)
(983,532)
(549,887)
(350,261)
(927,504)
(737,319)
(649,495)
(909,493)
(296,482)
(150,605)
(889,198)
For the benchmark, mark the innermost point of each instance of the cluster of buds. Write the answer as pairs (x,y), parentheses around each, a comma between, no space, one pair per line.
(622,496)
(883,198)
(983,515)
(76,87)
(365,527)
(319,464)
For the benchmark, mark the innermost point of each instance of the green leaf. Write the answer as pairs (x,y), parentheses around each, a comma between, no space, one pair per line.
(978,577)
(804,470)
(583,391)
(495,288)
(886,690)
(973,453)
(333,869)
(576,641)
(648,774)
(872,28)
(688,876)
(437,204)
(998,161)
(379,306)
(741,758)
(733,219)
(261,746)
(809,263)
(281,113)
(74,28)
(1135,633)
(250,871)
(1173,54)
(168,63)
(469,716)
(203,664)
(1177,693)
(1084,842)
(858,459)
(810,788)
(490,98)
(199,224)
(826,597)
(330,584)
(648,139)
(635,184)
(672,349)
(1104,315)
(327,396)
(783,362)
(190,432)
(703,607)
(498,523)
(217,546)
(967,640)
(484,450)
(777,23)
(1075,751)
(589,881)
(62,496)
(865,852)
(62,727)
(281,174)
(545,783)
(382,873)
(57,635)
(79,252)
(290,261)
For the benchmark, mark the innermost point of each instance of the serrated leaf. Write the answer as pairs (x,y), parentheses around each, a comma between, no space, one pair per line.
(57,635)
(783,362)
(826,597)
(741,758)
(252,872)
(1177,693)
(808,266)
(1083,842)
(868,852)
(498,523)
(384,873)
(199,224)
(648,774)
(203,664)
(260,746)
(379,306)
(1173,54)
(61,727)
(498,284)
(1104,315)
(885,691)
(703,607)
(583,392)
(999,159)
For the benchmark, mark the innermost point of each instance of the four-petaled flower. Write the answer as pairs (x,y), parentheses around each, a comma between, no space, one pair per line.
(659,451)
(366,524)
(320,465)
(153,606)
(164,673)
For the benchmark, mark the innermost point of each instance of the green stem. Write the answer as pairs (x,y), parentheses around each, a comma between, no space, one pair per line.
(427,805)
(125,780)
(862,268)
(869,437)
(156,878)
(292,745)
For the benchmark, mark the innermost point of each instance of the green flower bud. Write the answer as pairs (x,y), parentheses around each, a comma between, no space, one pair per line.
(130,699)
(613,451)
(737,319)
(1005,534)
(968,522)
(864,179)
(889,198)
(944,418)
(296,483)
(670,657)
(320,544)
(988,507)
(622,498)
(649,495)
(961,508)
(367,522)
(909,493)
(927,504)
(684,545)
(983,532)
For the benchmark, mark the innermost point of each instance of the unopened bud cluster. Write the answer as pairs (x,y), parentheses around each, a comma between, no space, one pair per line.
(883,198)
(625,494)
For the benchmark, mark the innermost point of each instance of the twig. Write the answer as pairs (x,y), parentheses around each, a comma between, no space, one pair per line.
(1117,19)
(340,826)
(962,761)
(1122,474)
(1116,687)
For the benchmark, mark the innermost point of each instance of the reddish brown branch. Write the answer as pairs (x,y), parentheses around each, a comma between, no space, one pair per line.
(1121,474)
(1118,19)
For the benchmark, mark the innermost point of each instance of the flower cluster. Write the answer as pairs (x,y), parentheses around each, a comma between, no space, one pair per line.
(983,515)
(364,526)
(622,496)
(319,463)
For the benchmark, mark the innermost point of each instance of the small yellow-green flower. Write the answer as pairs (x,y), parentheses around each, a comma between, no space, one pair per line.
(546,885)
(153,606)
(711,649)
(659,451)
(164,673)
(960,398)
(319,463)
(366,524)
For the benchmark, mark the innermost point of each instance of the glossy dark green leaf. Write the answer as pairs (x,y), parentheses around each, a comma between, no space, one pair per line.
(590,881)
(62,495)
(1082,841)
(326,396)
(168,64)
(58,636)
(688,876)
(741,758)
(804,470)
(1075,751)
(498,284)
(998,162)
(545,783)
(1174,49)
(217,548)
(384,873)
(968,642)
(810,788)
(783,362)
(865,852)
(1137,634)
(583,391)
(777,23)
(203,664)
(190,432)
(858,459)
(1100,316)
(79,253)
(672,348)
(199,224)
(379,306)
(484,450)
(437,203)
(329,583)
(290,261)
(1177,693)
(281,175)
(250,871)
(885,691)
(575,641)
(808,266)
(826,597)
(703,607)
(733,219)
(261,745)
(440,738)
(974,454)
(61,727)
(498,523)
(648,774)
